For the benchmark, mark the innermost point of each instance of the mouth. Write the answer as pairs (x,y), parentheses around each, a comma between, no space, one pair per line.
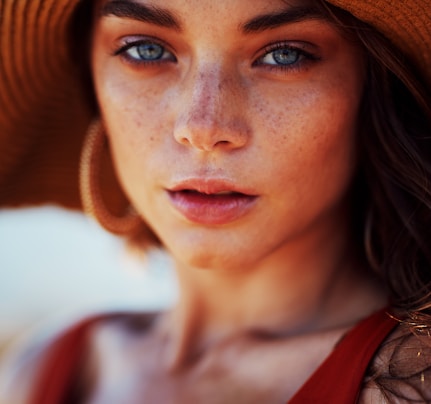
(216,207)
(220,194)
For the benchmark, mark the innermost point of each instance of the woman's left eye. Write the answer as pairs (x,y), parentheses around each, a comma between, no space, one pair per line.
(285,57)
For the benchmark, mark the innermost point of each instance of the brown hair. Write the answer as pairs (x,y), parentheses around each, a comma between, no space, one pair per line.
(396,157)
(395,168)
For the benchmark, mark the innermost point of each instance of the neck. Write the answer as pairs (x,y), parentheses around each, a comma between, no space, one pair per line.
(290,292)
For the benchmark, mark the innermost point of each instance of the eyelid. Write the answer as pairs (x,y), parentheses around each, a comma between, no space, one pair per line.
(305,48)
(136,40)
(307,54)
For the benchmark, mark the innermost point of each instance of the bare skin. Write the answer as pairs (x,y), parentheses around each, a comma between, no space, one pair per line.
(268,288)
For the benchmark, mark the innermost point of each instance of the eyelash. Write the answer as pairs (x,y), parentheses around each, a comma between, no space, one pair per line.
(124,50)
(302,57)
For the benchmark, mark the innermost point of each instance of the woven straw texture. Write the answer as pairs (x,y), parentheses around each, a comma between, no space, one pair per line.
(43,113)
(43,109)
(407,23)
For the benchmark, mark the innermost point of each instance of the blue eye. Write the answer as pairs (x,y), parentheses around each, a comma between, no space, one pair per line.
(145,51)
(288,57)
(283,57)
(148,51)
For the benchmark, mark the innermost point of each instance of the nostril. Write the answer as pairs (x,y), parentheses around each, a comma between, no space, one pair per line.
(211,131)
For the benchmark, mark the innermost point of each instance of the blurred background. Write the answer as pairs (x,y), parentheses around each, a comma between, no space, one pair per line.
(57,266)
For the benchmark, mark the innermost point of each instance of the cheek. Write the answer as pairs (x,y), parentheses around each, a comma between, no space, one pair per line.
(125,106)
(301,119)
(136,127)
(309,137)
(134,113)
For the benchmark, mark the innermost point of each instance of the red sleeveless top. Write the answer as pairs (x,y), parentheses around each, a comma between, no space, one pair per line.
(338,380)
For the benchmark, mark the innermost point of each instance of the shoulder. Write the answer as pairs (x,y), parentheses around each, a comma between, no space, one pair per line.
(21,366)
(400,372)
(117,342)
(118,334)
(20,372)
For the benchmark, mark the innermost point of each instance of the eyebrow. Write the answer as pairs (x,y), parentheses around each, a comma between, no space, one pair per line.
(164,18)
(140,12)
(271,21)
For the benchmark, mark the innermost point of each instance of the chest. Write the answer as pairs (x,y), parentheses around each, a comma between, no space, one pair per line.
(252,372)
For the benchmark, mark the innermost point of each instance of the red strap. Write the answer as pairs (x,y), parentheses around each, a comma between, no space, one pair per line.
(338,380)
(62,361)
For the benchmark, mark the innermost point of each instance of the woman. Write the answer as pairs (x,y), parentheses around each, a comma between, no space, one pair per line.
(278,150)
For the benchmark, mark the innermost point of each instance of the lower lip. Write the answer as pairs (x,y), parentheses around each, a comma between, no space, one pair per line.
(211,209)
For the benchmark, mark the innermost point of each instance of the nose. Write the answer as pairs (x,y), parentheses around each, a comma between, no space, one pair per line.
(210,107)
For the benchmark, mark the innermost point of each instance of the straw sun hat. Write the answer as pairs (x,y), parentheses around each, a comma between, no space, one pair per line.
(45,113)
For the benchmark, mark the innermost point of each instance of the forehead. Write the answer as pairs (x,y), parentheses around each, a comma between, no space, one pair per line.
(206,12)
(214,4)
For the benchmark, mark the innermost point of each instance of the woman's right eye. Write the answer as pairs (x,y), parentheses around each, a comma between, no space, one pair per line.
(145,52)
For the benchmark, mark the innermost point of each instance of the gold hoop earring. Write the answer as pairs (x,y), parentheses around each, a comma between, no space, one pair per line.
(95,144)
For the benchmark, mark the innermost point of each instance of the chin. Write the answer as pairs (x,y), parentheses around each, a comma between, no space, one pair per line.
(203,259)
(207,256)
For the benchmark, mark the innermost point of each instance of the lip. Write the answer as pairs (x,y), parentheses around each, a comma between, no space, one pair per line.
(211,201)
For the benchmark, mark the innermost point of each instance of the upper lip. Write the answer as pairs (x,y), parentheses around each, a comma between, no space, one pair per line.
(209,186)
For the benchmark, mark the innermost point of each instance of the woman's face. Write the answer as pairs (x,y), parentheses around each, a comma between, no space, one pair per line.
(232,123)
